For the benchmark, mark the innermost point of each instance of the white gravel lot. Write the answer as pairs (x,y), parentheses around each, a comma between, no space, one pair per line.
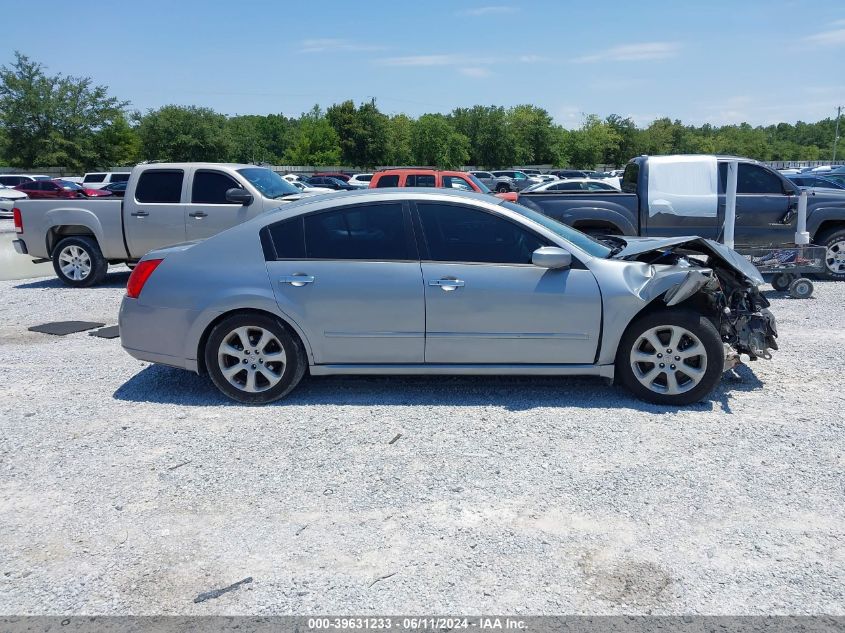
(127,488)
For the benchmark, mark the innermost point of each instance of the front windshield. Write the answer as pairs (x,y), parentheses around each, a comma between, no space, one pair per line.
(481,186)
(269,183)
(576,237)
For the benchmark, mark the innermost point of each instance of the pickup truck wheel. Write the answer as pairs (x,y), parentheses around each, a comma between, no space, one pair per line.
(253,358)
(834,243)
(78,262)
(671,357)
(502,188)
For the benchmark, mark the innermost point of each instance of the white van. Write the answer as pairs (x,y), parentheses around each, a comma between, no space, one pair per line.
(99,179)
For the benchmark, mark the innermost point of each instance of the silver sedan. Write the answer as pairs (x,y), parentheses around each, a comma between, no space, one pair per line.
(421,281)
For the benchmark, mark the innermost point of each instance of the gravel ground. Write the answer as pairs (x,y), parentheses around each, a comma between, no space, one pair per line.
(127,488)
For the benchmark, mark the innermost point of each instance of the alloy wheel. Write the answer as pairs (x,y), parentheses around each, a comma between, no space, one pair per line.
(75,262)
(835,257)
(668,359)
(251,359)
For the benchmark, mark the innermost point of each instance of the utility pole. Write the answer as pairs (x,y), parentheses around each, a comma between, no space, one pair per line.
(836,133)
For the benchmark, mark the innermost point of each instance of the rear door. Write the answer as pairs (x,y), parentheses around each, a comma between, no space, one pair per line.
(350,278)
(762,203)
(154,216)
(486,303)
(207,211)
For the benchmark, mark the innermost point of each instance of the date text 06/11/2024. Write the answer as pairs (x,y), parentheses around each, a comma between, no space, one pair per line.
(415,623)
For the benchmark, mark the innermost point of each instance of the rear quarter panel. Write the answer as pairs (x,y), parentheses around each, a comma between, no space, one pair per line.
(620,209)
(101,217)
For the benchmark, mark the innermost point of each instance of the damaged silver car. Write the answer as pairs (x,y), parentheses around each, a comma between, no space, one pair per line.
(422,281)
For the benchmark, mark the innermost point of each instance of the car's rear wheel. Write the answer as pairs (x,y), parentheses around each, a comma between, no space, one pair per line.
(253,358)
(502,188)
(78,262)
(672,357)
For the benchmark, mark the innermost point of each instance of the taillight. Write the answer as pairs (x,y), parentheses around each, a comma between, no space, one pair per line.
(16,213)
(139,277)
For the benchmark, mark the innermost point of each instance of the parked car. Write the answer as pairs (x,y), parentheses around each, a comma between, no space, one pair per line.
(8,198)
(292,177)
(306,188)
(98,180)
(766,208)
(546,177)
(424,177)
(529,172)
(360,180)
(568,173)
(329,182)
(818,182)
(573,184)
(467,284)
(116,188)
(58,188)
(520,179)
(499,184)
(164,203)
(13,180)
(333,174)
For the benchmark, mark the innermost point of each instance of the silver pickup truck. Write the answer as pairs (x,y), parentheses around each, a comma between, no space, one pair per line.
(164,204)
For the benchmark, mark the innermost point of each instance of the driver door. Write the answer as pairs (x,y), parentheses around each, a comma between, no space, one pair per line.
(208,212)
(486,303)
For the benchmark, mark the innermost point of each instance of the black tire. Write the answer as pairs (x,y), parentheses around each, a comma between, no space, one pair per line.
(502,188)
(832,240)
(801,288)
(701,328)
(781,281)
(291,369)
(77,252)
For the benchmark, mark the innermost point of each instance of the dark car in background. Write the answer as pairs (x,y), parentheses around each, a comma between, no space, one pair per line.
(329,182)
(117,188)
(333,174)
(568,173)
(817,182)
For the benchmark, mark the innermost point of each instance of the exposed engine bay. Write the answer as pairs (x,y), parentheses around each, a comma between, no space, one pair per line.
(718,279)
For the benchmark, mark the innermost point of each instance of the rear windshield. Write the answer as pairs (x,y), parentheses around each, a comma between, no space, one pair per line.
(576,237)
(119,177)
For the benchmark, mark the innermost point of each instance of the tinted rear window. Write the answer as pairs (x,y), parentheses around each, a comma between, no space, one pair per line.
(388,181)
(94,178)
(119,177)
(419,180)
(630,177)
(367,232)
(160,186)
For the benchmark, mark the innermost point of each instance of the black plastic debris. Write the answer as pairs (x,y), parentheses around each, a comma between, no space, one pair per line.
(63,328)
(111,331)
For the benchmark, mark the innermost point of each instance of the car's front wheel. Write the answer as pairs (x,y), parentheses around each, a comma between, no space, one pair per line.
(671,357)
(834,244)
(253,358)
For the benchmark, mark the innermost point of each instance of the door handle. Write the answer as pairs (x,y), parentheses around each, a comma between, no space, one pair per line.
(297,280)
(198,214)
(139,214)
(447,285)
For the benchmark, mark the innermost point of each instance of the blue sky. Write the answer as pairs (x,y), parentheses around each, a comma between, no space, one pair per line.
(714,61)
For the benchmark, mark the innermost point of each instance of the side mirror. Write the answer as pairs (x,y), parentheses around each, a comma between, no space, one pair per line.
(239,196)
(551,257)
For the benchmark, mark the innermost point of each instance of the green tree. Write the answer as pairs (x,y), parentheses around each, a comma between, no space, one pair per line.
(184,133)
(399,129)
(531,130)
(592,142)
(316,143)
(342,118)
(54,120)
(434,142)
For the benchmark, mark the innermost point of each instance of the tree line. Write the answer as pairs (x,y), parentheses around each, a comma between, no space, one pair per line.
(58,120)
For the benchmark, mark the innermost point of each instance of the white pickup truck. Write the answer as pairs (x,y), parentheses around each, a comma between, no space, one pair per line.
(164,204)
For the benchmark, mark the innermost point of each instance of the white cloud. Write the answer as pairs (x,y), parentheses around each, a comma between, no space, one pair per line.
(330,45)
(490,10)
(475,71)
(633,53)
(423,60)
(835,37)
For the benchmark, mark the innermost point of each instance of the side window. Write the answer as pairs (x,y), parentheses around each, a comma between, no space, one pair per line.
(119,177)
(752,179)
(210,187)
(94,178)
(566,186)
(630,177)
(388,181)
(160,186)
(419,180)
(459,234)
(288,238)
(368,232)
(456,182)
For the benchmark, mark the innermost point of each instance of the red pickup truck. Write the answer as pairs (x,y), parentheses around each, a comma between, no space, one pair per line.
(422,177)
